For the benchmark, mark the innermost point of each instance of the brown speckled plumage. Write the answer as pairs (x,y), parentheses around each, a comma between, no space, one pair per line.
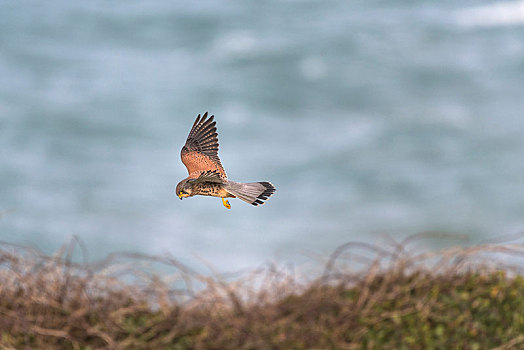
(211,189)
(200,153)
(207,177)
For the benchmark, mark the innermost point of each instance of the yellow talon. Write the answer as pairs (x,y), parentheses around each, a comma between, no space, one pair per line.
(226,203)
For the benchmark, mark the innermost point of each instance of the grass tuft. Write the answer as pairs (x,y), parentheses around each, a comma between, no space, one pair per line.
(458,298)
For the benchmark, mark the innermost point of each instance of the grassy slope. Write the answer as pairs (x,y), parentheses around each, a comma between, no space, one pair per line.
(50,303)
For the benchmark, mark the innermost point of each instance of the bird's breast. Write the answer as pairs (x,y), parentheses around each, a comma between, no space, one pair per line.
(210,189)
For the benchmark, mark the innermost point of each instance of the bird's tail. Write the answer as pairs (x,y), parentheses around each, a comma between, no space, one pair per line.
(253,192)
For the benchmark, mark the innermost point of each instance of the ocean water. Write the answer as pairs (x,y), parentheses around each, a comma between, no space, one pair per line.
(372,119)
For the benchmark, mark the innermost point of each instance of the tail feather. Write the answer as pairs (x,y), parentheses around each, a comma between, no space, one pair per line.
(253,192)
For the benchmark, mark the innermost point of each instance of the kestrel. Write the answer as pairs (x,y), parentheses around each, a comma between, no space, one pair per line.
(206,174)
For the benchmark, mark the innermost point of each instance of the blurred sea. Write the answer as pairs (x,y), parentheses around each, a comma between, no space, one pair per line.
(371,118)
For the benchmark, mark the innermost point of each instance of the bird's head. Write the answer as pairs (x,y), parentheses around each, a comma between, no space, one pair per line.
(183,189)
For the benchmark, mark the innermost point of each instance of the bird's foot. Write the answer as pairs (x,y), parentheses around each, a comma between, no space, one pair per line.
(226,203)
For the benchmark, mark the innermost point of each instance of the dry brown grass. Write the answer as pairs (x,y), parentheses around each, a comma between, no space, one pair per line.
(466,298)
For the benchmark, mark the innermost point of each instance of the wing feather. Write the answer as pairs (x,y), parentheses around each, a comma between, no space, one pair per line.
(200,152)
(209,176)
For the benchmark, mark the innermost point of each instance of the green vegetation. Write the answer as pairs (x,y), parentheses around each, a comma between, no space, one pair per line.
(452,299)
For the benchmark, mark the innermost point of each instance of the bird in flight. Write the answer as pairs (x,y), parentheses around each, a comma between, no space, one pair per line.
(206,174)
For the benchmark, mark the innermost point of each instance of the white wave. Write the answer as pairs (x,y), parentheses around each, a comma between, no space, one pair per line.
(313,68)
(237,44)
(497,14)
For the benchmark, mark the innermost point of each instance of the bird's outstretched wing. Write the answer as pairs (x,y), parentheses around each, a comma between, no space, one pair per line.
(200,153)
